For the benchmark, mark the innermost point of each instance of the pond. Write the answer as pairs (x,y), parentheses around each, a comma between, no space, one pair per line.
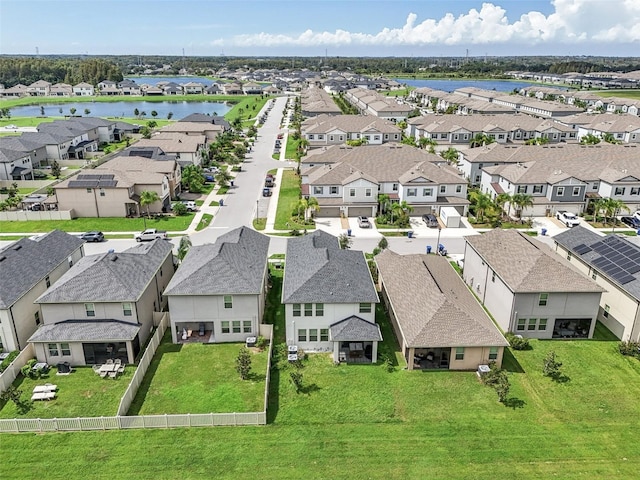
(124,109)
(449,85)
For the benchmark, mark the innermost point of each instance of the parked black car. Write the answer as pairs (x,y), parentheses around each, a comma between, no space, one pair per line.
(633,222)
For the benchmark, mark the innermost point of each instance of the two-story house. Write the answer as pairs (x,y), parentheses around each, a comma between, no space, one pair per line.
(329,299)
(218,293)
(105,306)
(28,267)
(325,130)
(527,288)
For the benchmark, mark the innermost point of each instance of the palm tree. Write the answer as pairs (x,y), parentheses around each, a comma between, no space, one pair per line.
(522,201)
(481,139)
(183,248)
(312,206)
(192,178)
(396,208)
(383,202)
(147,198)
(482,202)
(423,142)
(301,207)
(589,139)
(223,178)
(501,200)
(613,207)
(451,155)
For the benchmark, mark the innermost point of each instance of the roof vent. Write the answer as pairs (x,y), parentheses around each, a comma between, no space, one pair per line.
(3,258)
(113,258)
(17,247)
(111,250)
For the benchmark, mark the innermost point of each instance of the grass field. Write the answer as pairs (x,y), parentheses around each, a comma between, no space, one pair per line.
(633,94)
(287,200)
(363,422)
(200,378)
(105,224)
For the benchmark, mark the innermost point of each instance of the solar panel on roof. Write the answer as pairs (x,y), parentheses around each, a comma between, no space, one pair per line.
(626,279)
(600,261)
(581,249)
(634,268)
(108,183)
(614,271)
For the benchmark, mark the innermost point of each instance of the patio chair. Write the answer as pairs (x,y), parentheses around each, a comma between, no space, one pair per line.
(120,369)
(113,375)
(109,361)
(103,374)
(117,361)
(96,368)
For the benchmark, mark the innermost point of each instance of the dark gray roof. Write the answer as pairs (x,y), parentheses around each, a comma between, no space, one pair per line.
(110,277)
(355,329)
(527,265)
(86,331)
(432,305)
(318,271)
(235,264)
(26,262)
(578,238)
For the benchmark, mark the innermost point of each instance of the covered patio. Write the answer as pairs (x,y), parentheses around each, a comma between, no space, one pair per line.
(195,332)
(355,340)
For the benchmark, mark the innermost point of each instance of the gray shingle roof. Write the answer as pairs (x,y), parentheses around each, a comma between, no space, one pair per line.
(318,271)
(110,277)
(29,260)
(86,331)
(526,265)
(432,305)
(234,264)
(579,235)
(355,329)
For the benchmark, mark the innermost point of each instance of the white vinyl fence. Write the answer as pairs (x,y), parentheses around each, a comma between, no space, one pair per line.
(11,373)
(121,421)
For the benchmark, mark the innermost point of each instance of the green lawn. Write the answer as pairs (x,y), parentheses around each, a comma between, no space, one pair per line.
(205,221)
(259,223)
(291,148)
(363,422)
(633,94)
(287,200)
(105,224)
(200,378)
(80,394)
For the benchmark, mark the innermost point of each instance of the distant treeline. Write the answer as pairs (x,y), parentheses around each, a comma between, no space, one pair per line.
(74,69)
(26,70)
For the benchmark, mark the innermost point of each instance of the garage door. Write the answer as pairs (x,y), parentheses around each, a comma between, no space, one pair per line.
(359,211)
(328,212)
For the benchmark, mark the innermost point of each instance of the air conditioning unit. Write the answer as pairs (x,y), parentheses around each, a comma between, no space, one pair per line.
(482,370)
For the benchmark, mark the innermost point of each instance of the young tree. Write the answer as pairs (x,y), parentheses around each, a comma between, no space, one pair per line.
(501,200)
(179,209)
(55,169)
(345,241)
(551,365)
(147,198)
(383,244)
(223,178)
(521,201)
(296,378)
(183,247)
(482,203)
(243,363)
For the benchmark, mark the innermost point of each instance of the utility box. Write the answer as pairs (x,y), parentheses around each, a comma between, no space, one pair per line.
(450,217)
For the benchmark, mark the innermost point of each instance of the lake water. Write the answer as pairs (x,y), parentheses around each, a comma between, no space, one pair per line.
(451,85)
(124,109)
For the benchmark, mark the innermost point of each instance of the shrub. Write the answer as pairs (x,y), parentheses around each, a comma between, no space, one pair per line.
(497,379)
(7,361)
(517,342)
(296,379)
(551,365)
(262,342)
(243,363)
(179,209)
(629,348)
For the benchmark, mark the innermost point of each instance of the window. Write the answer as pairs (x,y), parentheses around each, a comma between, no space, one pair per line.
(296,309)
(365,308)
(302,335)
(319,309)
(89,190)
(53,349)
(532,324)
(521,323)
(493,277)
(367,192)
(308,309)
(225,327)
(537,189)
(619,191)
(65,350)
(37,317)
(458,188)
(320,137)
(70,261)
(576,191)
(544,298)
(318,190)
(412,192)
(427,192)
(594,274)
(443,189)
(394,187)
(127,309)
(333,190)
(311,137)
(459,353)
(102,194)
(493,353)
(331,138)
(246,326)
(635,191)
(90,309)
(560,191)
(352,192)
(47,281)
(228,301)
(606,311)
(313,334)
(522,188)
(235,326)
(324,334)
(542,324)
(569,256)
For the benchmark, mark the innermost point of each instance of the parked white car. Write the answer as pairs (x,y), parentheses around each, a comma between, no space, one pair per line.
(568,218)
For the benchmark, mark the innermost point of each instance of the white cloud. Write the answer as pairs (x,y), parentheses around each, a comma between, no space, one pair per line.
(572,22)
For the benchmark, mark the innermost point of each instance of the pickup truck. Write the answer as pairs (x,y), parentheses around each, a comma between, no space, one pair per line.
(150,234)
(568,218)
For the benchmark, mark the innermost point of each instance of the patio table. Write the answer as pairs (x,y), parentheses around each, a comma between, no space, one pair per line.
(40,366)
(108,367)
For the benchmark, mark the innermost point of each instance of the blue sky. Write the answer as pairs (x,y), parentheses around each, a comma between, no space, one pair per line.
(311,28)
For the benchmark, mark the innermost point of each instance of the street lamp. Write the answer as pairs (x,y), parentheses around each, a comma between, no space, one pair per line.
(438,241)
(257,204)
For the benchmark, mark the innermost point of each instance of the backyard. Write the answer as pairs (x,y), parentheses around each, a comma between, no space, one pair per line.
(371,421)
(80,394)
(200,378)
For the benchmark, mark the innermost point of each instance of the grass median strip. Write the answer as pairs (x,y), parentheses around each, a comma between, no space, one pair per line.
(205,221)
(288,199)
